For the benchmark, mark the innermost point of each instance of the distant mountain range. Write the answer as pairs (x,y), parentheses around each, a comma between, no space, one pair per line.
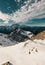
(34,29)
(8,29)
(17,33)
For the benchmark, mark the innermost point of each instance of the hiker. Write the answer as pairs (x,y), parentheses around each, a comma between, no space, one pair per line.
(29,51)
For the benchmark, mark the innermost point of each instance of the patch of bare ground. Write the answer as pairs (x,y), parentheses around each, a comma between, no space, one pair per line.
(41,35)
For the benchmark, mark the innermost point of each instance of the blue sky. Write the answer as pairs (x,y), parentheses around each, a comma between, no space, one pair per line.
(24,12)
(10,6)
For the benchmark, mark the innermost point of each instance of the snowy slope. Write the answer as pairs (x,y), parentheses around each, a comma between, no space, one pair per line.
(5,41)
(25,53)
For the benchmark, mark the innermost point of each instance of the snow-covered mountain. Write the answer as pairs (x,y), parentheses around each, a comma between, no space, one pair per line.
(28,52)
(4,40)
(25,53)
(20,35)
(18,47)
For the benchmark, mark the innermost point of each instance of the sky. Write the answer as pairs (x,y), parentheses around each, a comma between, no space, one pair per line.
(23,12)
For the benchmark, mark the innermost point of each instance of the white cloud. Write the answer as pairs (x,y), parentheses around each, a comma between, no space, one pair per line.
(28,12)
(4,17)
(17,0)
(25,13)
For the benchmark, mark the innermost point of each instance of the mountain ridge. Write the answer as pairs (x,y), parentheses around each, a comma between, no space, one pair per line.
(34,29)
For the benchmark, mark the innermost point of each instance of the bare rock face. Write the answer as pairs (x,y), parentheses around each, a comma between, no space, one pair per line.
(41,35)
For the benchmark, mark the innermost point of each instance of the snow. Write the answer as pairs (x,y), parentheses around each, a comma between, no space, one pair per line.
(19,54)
(40,41)
(29,34)
(5,41)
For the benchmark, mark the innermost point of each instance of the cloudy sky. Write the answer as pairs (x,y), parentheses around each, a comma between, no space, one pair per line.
(23,12)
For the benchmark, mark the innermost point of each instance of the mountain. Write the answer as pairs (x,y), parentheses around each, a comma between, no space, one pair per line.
(14,26)
(8,29)
(20,35)
(34,29)
(15,36)
(41,35)
(5,29)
